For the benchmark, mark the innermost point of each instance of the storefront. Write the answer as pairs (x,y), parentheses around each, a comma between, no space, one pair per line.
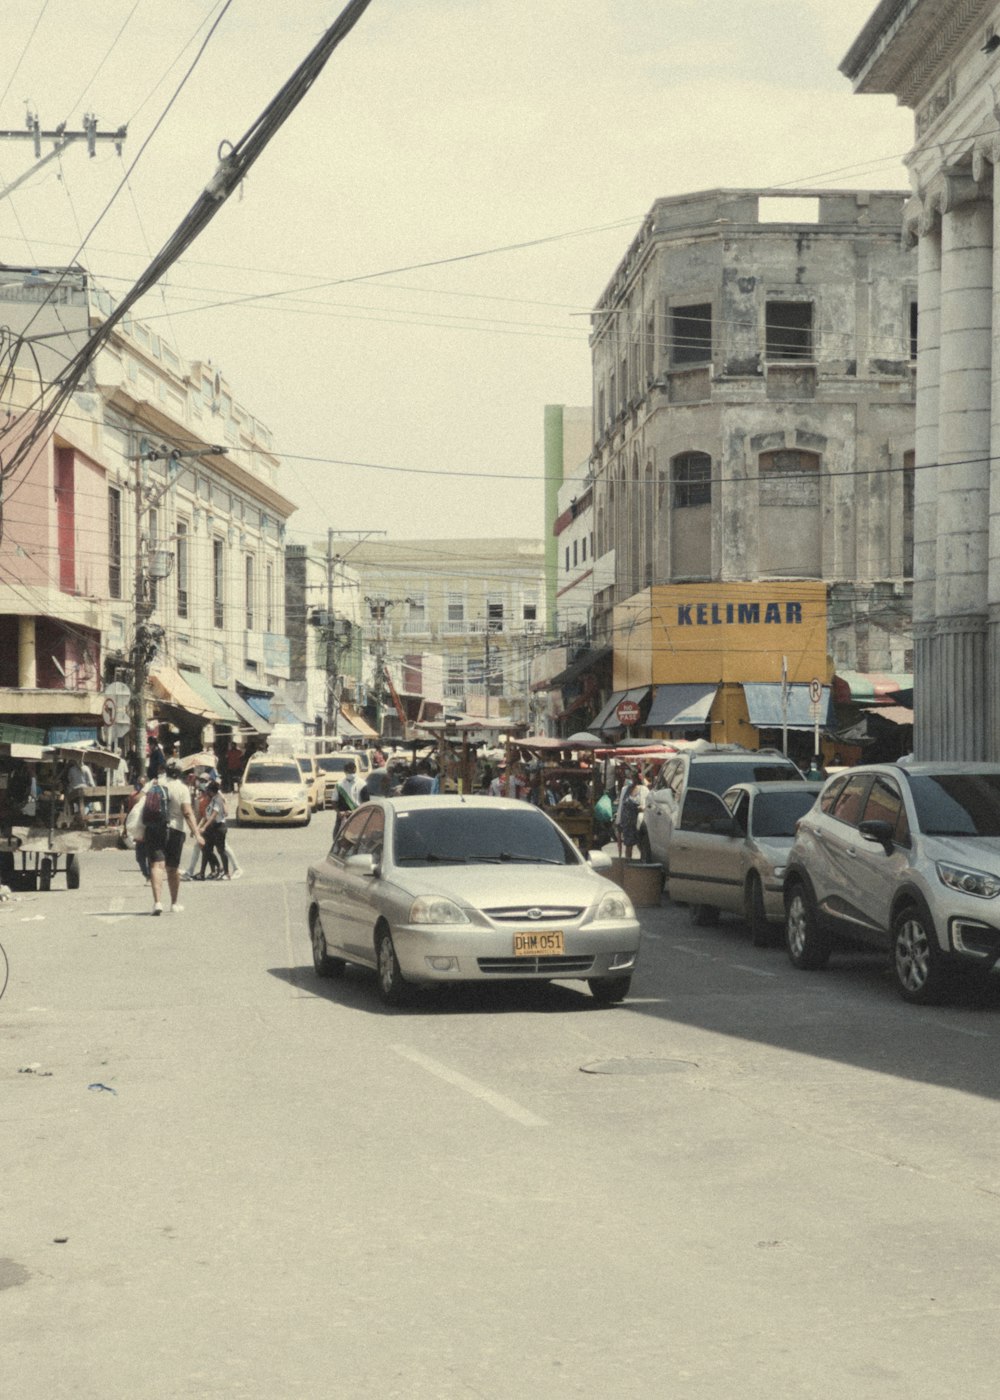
(729,662)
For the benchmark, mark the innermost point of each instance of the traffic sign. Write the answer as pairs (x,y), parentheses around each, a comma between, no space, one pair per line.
(627,712)
(109,712)
(815,690)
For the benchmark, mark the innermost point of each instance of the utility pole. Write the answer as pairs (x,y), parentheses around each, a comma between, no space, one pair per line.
(61,139)
(332,707)
(147,638)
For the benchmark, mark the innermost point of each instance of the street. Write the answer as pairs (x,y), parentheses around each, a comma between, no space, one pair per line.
(224,1177)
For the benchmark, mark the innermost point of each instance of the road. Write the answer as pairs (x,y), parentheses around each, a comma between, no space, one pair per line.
(225,1178)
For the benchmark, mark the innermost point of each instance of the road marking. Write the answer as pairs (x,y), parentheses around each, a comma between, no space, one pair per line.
(754,971)
(957,1030)
(503,1105)
(695,952)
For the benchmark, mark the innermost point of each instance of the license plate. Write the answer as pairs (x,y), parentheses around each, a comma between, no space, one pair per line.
(538,944)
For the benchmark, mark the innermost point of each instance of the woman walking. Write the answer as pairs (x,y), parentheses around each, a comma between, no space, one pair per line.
(213,828)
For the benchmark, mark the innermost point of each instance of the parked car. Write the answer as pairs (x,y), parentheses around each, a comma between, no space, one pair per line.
(904,859)
(332,766)
(714,770)
(467,889)
(273,791)
(729,853)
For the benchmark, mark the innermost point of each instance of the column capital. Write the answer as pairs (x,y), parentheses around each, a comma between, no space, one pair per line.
(985,158)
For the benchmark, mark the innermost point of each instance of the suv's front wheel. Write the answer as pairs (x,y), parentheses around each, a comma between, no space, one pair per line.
(808,944)
(922,972)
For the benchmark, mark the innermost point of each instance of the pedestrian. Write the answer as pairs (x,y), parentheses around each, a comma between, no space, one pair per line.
(135,830)
(420,783)
(632,812)
(78,779)
(165,834)
(816,772)
(233,766)
(157,760)
(498,781)
(348,792)
(213,828)
(626,780)
(200,801)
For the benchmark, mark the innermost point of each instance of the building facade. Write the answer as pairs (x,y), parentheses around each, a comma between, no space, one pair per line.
(941,60)
(144,536)
(753,381)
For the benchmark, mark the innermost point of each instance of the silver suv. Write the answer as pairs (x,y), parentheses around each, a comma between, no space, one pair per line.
(715,770)
(906,859)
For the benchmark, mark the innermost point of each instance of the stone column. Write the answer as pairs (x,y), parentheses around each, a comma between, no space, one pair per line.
(928,229)
(27,677)
(958,708)
(993,580)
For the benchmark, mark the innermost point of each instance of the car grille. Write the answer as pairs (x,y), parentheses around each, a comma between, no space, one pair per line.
(519,914)
(272,811)
(553,967)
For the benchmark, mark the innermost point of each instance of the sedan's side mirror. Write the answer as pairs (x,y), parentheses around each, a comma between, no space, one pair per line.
(599,860)
(879,831)
(361,864)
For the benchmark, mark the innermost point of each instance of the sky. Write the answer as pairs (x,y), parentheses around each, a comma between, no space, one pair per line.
(404,280)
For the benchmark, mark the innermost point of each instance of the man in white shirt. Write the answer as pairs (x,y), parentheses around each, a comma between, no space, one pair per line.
(165,840)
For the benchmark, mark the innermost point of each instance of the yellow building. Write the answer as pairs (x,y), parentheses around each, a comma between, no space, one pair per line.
(716,654)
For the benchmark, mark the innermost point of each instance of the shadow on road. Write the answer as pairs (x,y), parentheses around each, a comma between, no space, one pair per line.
(356,989)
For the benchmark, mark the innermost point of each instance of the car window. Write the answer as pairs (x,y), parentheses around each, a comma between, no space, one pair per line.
(273,773)
(334,763)
(373,835)
(831,792)
(851,800)
(666,774)
(348,839)
(703,811)
(957,804)
(716,777)
(885,802)
(739,804)
(459,835)
(778,813)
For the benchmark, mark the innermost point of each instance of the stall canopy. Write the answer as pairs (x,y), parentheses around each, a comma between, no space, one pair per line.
(681,706)
(212,697)
(359,726)
(872,688)
(766,712)
(249,718)
(607,719)
(170,686)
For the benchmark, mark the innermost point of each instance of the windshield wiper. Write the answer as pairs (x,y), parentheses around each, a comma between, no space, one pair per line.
(430,856)
(502,857)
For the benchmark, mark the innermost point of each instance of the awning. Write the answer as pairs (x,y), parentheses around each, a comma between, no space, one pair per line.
(286,711)
(358,723)
(765,708)
(171,687)
(580,667)
(249,718)
(212,697)
(872,688)
(892,714)
(607,719)
(680,706)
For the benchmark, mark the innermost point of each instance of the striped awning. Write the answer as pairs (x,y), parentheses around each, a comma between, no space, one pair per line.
(872,688)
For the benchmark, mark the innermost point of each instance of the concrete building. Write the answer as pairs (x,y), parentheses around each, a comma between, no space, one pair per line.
(941,60)
(323,620)
(146,528)
(477,605)
(753,392)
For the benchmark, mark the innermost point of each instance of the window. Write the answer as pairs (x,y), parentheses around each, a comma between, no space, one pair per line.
(692,475)
(454,685)
(114,542)
(583,550)
(691,334)
(913,330)
(789,330)
(909,495)
(885,804)
(567,558)
(251,589)
(788,464)
(182,568)
(650,349)
(416,616)
(575,547)
(850,802)
(529,608)
(494,614)
(218,580)
(456,612)
(269,597)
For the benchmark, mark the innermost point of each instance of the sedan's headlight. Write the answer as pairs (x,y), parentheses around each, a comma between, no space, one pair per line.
(435,909)
(615,905)
(977,882)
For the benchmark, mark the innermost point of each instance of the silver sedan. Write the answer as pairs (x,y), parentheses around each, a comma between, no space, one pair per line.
(467,889)
(730,852)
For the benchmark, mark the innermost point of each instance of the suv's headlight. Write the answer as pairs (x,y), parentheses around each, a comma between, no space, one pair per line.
(435,909)
(615,905)
(977,882)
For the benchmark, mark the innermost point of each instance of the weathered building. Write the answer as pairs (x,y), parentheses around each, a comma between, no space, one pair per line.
(942,60)
(753,391)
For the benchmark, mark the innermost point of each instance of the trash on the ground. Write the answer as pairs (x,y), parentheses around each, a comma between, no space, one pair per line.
(106,1087)
(61,1239)
(36,1069)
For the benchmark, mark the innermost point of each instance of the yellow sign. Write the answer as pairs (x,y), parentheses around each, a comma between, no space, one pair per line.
(721,632)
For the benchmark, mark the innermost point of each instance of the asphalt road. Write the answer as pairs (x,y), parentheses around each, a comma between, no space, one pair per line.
(222,1177)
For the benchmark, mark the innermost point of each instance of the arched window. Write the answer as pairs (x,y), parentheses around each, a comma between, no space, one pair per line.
(691,515)
(790,535)
(692,479)
(649,512)
(909,495)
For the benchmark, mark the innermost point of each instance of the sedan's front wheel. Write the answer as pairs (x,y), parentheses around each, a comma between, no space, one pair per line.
(608,990)
(391,983)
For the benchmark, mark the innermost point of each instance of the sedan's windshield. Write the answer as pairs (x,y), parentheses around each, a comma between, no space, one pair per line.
(274,773)
(462,835)
(334,762)
(957,804)
(716,777)
(775,813)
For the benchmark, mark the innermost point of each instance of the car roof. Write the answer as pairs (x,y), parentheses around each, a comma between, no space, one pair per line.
(736,755)
(753,788)
(448,801)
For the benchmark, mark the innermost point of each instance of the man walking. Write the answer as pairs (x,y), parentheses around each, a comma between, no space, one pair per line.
(165,837)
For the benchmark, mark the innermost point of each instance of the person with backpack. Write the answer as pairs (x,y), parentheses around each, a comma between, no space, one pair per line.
(166,809)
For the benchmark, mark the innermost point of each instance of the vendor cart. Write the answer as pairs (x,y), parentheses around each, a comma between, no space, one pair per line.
(560,775)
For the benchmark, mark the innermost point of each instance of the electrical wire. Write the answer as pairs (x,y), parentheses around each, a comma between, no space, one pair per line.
(21,57)
(108,52)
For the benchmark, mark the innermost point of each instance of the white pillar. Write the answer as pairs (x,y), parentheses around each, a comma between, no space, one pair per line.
(27,675)
(926,477)
(959,708)
(993,583)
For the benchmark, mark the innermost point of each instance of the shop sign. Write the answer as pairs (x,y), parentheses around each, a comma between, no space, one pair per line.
(21,734)
(79,735)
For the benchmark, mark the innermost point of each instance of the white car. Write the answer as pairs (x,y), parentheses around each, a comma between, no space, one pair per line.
(467,889)
(273,790)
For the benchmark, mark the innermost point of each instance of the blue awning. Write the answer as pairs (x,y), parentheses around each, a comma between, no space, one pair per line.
(765,710)
(248,715)
(681,706)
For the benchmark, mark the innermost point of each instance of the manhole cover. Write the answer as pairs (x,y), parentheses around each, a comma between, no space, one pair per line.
(638,1067)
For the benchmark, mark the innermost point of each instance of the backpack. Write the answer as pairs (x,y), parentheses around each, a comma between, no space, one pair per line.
(154,807)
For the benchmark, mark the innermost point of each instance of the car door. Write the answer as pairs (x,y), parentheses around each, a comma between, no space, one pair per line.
(879,871)
(835,879)
(336,888)
(660,807)
(365,890)
(704,850)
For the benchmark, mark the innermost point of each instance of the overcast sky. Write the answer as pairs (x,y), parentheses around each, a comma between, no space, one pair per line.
(440,129)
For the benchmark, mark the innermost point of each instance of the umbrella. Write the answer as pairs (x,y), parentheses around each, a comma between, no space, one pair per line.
(205,759)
